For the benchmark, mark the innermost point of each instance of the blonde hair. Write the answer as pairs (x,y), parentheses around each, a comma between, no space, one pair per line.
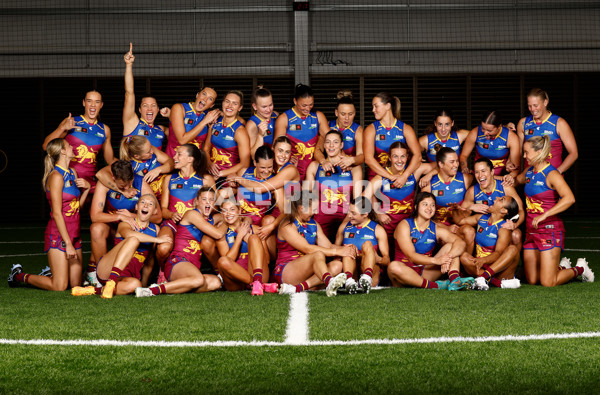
(537,92)
(540,144)
(53,150)
(131,146)
(151,196)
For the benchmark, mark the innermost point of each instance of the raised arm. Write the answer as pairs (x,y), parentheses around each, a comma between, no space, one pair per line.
(130,118)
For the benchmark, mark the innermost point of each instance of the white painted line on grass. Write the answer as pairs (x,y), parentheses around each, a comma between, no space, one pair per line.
(297,325)
(254,343)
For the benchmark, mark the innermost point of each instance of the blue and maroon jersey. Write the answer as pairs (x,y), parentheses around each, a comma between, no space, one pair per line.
(187,242)
(541,198)
(495,149)
(182,192)
(86,139)
(486,235)
(357,235)
(349,135)
(191,118)
(399,204)
(546,128)
(225,151)
(70,204)
(153,133)
(446,194)
(384,138)
(242,259)
(254,204)
(482,197)
(287,253)
(424,240)
(268,137)
(433,139)
(335,191)
(141,168)
(115,201)
(134,268)
(304,133)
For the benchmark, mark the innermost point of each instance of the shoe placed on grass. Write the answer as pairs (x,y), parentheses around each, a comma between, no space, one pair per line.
(334,284)
(480,284)
(565,263)
(91,278)
(16,269)
(83,291)
(442,284)
(109,289)
(141,292)
(351,286)
(46,272)
(161,279)
(270,288)
(287,289)
(587,276)
(257,288)
(512,283)
(460,283)
(365,282)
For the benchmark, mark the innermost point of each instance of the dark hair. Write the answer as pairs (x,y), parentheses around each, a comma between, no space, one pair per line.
(364,206)
(263,152)
(492,118)
(386,98)
(200,164)
(238,93)
(441,154)
(337,132)
(344,96)
(260,91)
(304,199)
(443,112)
(122,170)
(302,91)
(537,92)
(282,139)
(399,144)
(418,199)
(486,161)
(512,208)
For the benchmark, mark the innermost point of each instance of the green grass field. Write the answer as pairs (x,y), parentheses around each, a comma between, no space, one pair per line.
(404,339)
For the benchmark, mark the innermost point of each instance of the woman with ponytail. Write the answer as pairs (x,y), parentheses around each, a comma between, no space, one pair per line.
(62,238)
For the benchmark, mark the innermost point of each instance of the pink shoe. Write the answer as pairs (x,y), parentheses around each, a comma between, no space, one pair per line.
(161,279)
(257,288)
(270,288)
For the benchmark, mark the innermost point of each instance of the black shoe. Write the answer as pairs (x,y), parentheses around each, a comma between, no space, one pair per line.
(16,269)
(46,272)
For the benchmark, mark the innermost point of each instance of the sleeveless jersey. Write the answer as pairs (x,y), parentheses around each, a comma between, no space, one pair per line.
(134,268)
(399,204)
(433,139)
(242,259)
(268,137)
(424,241)
(482,197)
(252,203)
(287,253)
(335,190)
(182,192)
(546,128)
(540,198)
(349,135)
(187,242)
(141,168)
(446,194)
(70,204)
(357,235)
(304,133)
(87,140)
(225,151)
(190,119)
(289,189)
(486,235)
(495,149)
(117,201)
(153,133)
(384,138)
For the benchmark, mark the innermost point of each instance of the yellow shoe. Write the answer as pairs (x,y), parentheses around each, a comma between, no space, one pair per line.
(108,290)
(83,291)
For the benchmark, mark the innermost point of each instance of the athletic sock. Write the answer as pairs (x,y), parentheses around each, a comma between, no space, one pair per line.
(257,275)
(326,278)
(496,282)
(429,284)
(158,290)
(348,275)
(92,266)
(452,275)
(115,273)
(303,286)
(369,272)
(21,277)
(578,270)
(98,290)
(488,272)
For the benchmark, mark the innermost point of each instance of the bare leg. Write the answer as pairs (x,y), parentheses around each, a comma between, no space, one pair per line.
(163,250)
(550,276)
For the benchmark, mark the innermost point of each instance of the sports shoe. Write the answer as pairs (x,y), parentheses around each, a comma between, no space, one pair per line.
(270,288)
(257,288)
(83,291)
(460,283)
(480,284)
(588,275)
(109,289)
(365,282)
(46,272)
(286,289)
(16,269)
(161,279)
(565,263)
(512,283)
(351,286)
(91,278)
(334,284)
(141,292)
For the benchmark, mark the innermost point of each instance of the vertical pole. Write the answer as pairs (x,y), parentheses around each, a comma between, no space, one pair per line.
(301,24)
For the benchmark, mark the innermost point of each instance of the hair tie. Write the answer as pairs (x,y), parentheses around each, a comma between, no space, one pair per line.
(129,139)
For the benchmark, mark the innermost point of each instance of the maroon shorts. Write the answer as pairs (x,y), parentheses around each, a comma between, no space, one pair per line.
(544,241)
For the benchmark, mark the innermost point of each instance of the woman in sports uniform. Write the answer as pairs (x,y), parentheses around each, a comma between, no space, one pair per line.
(547,194)
(302,126)
(444,133)
(62,237)
(386,130)
(261,125)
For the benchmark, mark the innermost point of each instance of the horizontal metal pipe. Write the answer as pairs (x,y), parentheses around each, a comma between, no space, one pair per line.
(456,46)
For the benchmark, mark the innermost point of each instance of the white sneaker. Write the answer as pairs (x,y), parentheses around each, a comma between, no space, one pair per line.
(480,284)
(512,283)
(91,278)
(287,289)
(365,282)
(565,263)
(335,283)
(351,286)
(588,275)
(143,292)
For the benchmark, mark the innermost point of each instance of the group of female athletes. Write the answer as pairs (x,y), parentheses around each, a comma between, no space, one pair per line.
(279,203)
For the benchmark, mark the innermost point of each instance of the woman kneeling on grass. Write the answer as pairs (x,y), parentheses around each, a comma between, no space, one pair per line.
(124,268)
(416,240)
(244,258)
(302,248)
